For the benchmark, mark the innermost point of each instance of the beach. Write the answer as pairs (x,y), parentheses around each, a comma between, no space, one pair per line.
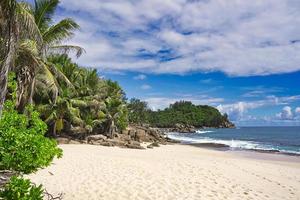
(169,172)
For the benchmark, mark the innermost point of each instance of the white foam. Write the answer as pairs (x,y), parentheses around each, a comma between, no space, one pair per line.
(234,144)
(202,131)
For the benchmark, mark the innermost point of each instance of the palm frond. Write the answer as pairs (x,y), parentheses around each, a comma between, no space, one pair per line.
(60,31)
(43,12)
(60,76)
(66,49)
(27,54)
(27,21)
(46,84)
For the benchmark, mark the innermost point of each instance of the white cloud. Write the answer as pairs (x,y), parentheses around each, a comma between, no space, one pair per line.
(238,111)
(255,93)
(297,113)
(146,87)
(285,114)
(140,77)
(240,38)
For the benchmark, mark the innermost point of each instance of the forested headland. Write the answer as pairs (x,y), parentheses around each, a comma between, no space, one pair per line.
(183,113)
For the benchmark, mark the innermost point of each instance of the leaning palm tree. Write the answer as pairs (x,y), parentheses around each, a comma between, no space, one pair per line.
(15,22)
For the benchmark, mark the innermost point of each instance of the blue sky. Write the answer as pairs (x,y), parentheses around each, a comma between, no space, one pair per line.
(242,57)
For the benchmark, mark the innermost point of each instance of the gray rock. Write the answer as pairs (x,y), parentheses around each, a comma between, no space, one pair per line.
(96,138)
(155,144)
(150,146)
(133,146)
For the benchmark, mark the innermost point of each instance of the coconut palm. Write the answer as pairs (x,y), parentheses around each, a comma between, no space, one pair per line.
(48,76)
(51,77)
(16,23)
(54,34)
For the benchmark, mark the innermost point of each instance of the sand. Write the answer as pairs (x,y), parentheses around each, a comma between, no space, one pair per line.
(169,172)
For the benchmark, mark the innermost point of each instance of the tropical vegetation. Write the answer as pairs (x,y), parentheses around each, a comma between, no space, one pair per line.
(38,76)
(43,92)
(182,112)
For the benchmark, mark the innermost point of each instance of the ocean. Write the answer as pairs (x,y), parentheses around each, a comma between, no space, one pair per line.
(274,139)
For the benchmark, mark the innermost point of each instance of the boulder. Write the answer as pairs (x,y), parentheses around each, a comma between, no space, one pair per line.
(125,132)
(102,143)
(134,146)
(96,138)
(132,133)
(150,146)
(141,135)
(116,142)
(61,140)
(155,144)
(123,137)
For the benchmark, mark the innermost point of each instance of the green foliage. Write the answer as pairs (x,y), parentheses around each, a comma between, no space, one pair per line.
(91,103)
(182,112)
(21,189)
(138,111)
(122,121)
(23,146)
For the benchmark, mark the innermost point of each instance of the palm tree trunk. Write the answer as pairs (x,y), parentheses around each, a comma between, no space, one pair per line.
(26,81)
(5,67)
(31,91)
(111,129)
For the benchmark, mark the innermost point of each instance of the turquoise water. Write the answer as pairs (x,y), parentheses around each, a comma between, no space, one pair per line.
(283,139)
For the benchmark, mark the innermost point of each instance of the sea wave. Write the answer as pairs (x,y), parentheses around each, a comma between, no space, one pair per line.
(202,131)
(233,144)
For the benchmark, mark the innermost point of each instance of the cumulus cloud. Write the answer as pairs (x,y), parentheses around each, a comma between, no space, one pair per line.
(297,113)
(240,38)
(238,111)
(286,113)
(140,77)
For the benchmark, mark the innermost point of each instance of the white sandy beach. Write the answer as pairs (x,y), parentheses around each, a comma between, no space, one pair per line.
(168,172)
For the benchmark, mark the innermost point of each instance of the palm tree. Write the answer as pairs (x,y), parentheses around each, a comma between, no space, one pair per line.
(50,76)
(27,61)
(15,22)
(115,107)
(54,34)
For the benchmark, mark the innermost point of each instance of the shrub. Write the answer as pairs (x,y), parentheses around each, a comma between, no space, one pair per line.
(21,189)
(23,147)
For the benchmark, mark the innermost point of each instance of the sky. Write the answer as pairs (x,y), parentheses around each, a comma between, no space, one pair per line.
(242,57)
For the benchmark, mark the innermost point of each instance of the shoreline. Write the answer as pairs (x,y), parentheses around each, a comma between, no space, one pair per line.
(167,172)
(250,153)
(224,147)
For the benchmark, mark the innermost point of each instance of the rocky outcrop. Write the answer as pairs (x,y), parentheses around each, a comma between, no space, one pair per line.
(180,128)
(132,137)
(227,124)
